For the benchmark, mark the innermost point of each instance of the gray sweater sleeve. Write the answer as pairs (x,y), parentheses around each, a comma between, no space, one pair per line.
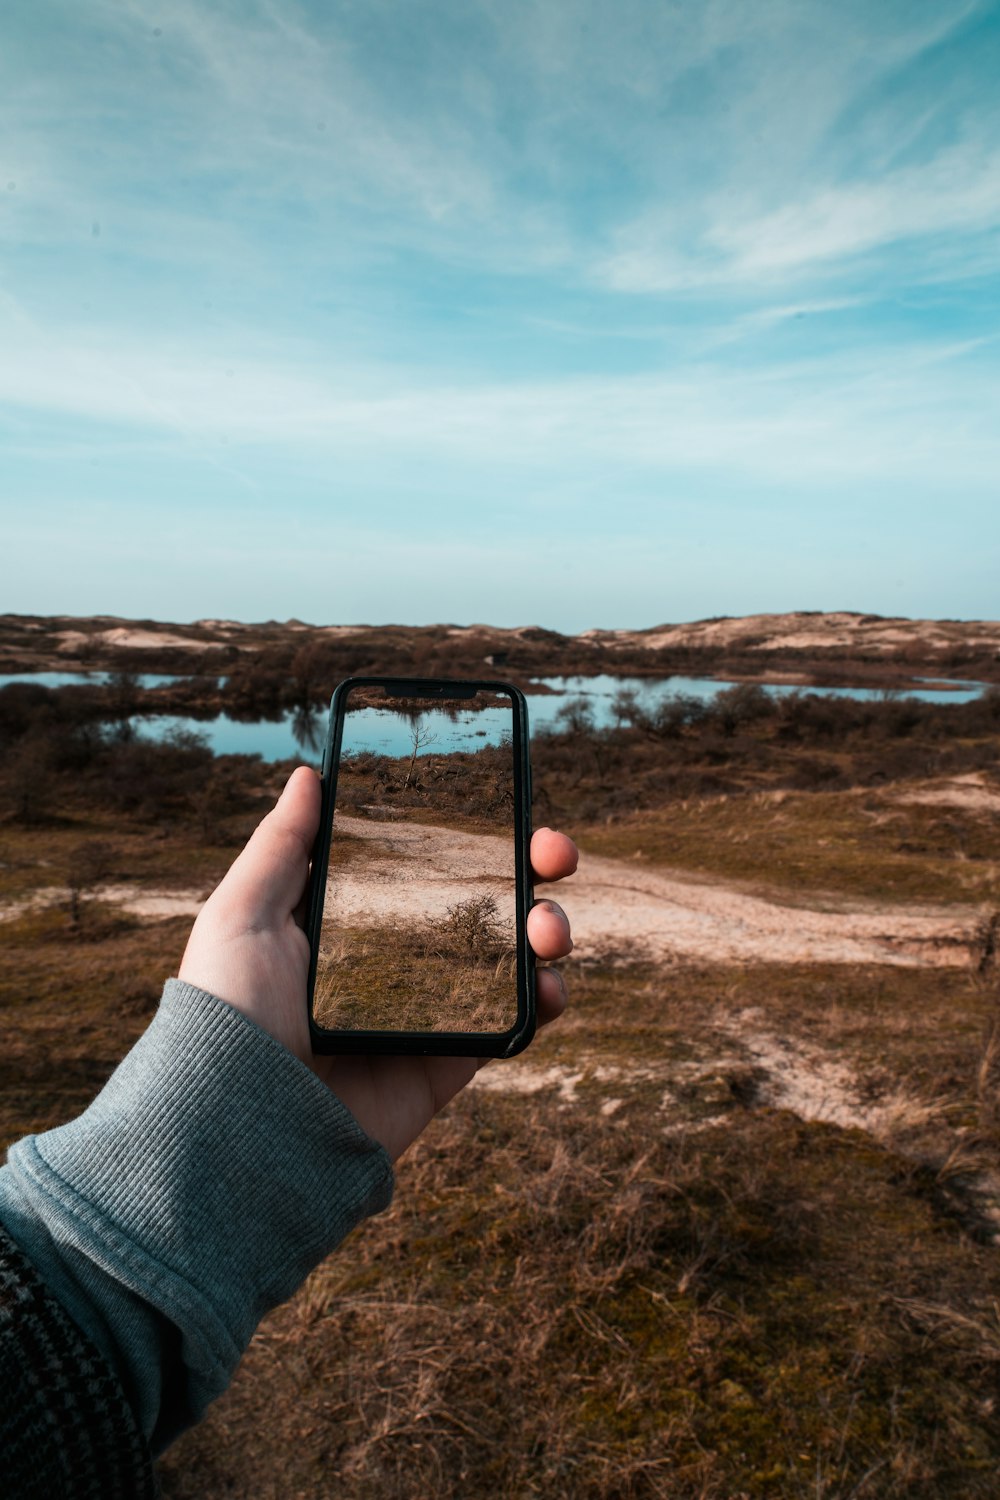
(208,1177)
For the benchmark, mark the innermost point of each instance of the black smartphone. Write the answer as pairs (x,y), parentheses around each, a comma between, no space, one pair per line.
(421,875)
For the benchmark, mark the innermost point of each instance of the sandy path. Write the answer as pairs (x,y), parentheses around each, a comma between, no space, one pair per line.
(970,792)
(648,913)
(138,901)
(418,870)
(615,906)
(657,914)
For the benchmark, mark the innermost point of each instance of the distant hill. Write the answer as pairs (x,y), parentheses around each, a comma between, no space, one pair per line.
(807,630)
(814,648)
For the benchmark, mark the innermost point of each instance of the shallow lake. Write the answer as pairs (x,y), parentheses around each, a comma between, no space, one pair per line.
(300,736)
(79,679)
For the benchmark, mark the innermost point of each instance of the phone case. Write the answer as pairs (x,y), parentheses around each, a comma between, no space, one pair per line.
(430,1043)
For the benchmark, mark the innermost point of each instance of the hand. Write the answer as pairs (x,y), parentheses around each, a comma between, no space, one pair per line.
(248,948)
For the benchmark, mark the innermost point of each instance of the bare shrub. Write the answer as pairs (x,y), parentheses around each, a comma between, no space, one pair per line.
(738,706)
(475,928)
(30,780)
(89,864)
(676,713)
(577,716)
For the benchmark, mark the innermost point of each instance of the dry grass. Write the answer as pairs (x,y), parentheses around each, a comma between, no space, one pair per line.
(563,1304)
(419,977)
(164,854)
(645,1265)
(565,1301)
(864,845)
(72,1004)
(75,994)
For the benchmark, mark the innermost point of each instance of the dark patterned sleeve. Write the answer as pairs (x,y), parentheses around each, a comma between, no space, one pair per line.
(66,1429)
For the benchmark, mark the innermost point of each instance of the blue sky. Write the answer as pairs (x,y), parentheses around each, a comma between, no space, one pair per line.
(521,311)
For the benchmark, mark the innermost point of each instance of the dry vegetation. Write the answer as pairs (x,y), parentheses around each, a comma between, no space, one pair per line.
(454,973)
(270,666)
(472,790)
(729,1230)
(450,969)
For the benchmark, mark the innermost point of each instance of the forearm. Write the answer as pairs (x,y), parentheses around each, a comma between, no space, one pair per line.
(210,1175)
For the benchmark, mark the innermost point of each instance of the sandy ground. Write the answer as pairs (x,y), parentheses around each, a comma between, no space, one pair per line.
(656,914)
(788,1074)
(626,912)
(807,631)
(970,792)
(416,871)
(617,907)
(797,630)
(642,913)
(138,901)
(121,635)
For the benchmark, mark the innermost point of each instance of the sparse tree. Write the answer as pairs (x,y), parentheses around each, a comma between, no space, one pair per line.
(420,739)
(30,779)
(577,716)
(311,674)
(737,706)
(211,800)
(627,709)
(675,713)
(123,689)
(89,864)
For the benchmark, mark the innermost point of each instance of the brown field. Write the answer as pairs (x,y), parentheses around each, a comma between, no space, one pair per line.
(269,665)
(418,929)
(458,973)
(730,1229)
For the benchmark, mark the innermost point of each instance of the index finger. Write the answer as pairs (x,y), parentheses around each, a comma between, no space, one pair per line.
(553,855)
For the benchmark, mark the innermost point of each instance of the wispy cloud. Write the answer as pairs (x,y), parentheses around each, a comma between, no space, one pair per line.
(668,148)
(955,194)
(549,249)
(814,423)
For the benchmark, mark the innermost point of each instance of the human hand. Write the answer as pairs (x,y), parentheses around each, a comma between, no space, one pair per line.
(248,948)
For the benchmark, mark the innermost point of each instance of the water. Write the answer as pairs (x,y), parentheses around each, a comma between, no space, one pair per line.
(388,733)
(600,693)
(300,735)
(294,736)
(80,679)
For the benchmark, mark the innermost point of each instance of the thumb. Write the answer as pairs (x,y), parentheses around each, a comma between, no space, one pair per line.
(267,880)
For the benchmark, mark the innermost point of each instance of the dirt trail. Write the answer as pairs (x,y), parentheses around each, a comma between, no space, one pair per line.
(657,914)
(137,900)
(417,870)
(971,792)
(647,913)
(616,907)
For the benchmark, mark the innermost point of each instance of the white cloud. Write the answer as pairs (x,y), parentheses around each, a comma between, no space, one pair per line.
(890,417)
(656,148)
(957,194)
(479,195)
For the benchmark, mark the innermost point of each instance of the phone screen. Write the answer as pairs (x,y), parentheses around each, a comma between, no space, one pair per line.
(421,932)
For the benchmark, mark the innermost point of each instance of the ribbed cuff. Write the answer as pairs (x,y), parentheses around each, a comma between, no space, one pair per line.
(209,1176)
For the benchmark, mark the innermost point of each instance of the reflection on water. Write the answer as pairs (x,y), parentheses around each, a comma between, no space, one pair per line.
(301,733)
(271,740)
(601,692)
(393,731)
(309,730)
(87,679)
